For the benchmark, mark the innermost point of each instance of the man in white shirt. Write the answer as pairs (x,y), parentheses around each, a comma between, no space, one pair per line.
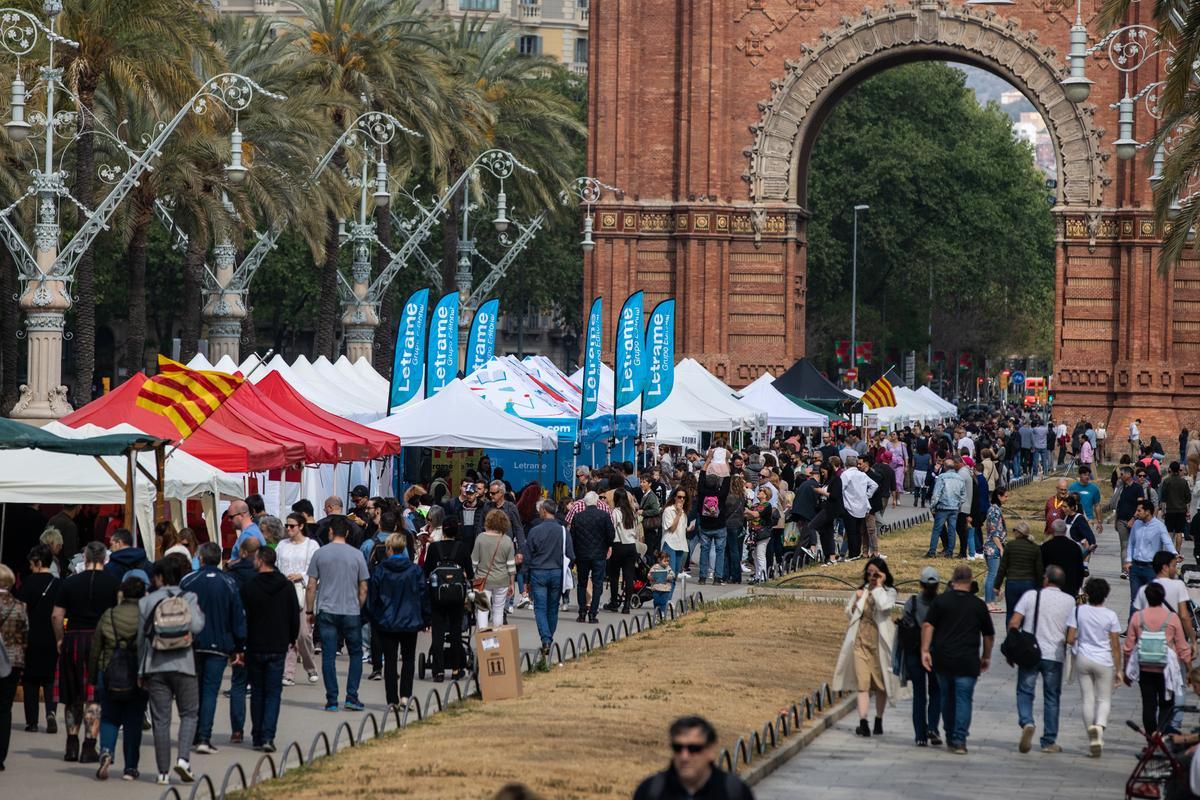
(857,488)
(1135,440)
(1054,609)
(1166,567)
(965,442)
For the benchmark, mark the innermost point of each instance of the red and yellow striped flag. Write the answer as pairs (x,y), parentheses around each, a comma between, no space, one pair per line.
(880,395)
(186,396)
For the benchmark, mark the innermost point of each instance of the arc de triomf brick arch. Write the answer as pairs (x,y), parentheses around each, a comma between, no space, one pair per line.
(704,115)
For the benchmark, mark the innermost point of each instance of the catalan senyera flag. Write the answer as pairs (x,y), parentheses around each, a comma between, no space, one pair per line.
(186,396)
(881,394)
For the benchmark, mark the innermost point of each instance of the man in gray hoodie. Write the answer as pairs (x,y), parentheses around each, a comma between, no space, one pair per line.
(168,667)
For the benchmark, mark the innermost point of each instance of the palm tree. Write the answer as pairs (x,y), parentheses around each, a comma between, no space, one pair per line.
(13,174)
(145,45)
(365,54)
(500,100)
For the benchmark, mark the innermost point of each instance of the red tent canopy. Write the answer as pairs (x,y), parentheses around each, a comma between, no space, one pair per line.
(342,446)
(212,443)
(247,423)
(275,389)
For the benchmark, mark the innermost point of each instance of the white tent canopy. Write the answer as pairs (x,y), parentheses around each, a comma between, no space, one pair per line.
(352,383)
(365,373)
(41,476)
(687,409)
(199,362)
(780,411)
(690,375)
(340,389)
(675,433)
(458,417)
(226,364)
(932,396)
(607,383)
(933,413)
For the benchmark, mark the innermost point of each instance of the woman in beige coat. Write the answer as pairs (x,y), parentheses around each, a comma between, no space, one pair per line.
(864,664)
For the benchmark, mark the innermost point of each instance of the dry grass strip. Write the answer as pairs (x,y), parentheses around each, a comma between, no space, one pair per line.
(596,727)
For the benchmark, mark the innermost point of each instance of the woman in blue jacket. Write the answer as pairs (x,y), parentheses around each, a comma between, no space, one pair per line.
(398,605)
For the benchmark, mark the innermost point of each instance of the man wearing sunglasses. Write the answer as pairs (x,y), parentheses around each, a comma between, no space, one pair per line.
(244,524)
(693,773)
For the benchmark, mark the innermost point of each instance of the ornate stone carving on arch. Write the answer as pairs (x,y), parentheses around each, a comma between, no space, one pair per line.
(938,28)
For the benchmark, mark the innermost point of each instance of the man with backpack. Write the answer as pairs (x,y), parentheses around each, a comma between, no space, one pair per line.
(546,547)
(272,624)
(1045,613)
(168,621)
(713,491)
(375,551)
(224,635)
(449,573)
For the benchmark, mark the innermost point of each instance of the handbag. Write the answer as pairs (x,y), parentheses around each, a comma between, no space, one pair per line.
(479,584)
(1020,647)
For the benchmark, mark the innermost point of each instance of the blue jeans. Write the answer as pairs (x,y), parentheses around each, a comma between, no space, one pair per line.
(677,557)
(265,671)
(210,670)
(1013,591)
(121,714)
(546,592)
(958,692)
(712,542)
(237,699)
(661,601)
(350,627)
(926,699)
(989,587)
(1051,672)
(1043,457)
(973,541)
(943,519)
(1139,576)
(1015,465)
(734,534)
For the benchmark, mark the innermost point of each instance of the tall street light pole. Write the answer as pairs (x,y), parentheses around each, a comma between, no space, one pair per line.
(854,291)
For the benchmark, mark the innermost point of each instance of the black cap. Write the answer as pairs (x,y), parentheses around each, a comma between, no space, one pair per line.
(359,491)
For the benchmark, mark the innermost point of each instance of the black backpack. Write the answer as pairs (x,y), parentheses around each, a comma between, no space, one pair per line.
(448,584)
(378,553)
(121,673)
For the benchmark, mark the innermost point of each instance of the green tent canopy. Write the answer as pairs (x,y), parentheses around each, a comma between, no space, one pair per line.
(825,412)
(19,436)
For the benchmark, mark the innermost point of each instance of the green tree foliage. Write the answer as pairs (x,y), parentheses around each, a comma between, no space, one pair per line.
(956,203)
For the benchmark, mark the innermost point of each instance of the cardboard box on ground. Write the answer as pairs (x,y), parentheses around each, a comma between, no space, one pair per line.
(498,654)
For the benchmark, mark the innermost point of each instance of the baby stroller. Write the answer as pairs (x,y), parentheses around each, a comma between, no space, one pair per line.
(425,660)
(641,585)
(1158,772)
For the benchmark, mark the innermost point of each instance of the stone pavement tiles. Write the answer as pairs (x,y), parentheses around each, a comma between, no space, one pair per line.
(842,766)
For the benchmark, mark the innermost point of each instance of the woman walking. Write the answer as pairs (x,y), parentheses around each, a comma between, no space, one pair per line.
(1020,568)
(1154,637)
(38,592)
(14,625)
(899,464)
(995,536)
(1094,637)
(735,528)
(865,661)
(674,527)
(624,551)
(494,561)
(292,556)
(398,606)
(121,707)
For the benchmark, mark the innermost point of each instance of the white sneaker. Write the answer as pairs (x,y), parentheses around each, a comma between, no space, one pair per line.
(204,749)
(286,682)
(164,779)
(313,677)
(524,602)
(184,770)
(684,575)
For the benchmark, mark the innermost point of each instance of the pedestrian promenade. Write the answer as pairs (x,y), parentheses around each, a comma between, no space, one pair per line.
(842,766)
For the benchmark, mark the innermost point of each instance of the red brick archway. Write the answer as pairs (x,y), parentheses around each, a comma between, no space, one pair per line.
(704,114)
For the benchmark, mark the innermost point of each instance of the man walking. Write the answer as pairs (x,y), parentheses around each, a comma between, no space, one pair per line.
(1046,614)
(335,599)
(948,491)
(1176,496)
(693,772)
(1062,551)
(1089,498)
(1135,439)
(857,490)
(1147,536)
(927,696)
(168,621)
(964,521)
(1124,503)
(243,522)
(956,626)
(272,624)
(546,547)
(223,637)
(592,533)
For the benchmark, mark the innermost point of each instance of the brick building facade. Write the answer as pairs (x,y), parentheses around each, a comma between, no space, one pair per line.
(705,114)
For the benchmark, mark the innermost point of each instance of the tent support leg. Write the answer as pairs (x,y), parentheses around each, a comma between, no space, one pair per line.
(130,518)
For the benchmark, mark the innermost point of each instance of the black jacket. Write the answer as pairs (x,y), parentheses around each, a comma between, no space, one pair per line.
(591,533)
(121,561)
(721,492)
(355,535)
(449,550)
(242,571)
(665,785)
(1063,551)
(272,613)
(886,479)
(804,505)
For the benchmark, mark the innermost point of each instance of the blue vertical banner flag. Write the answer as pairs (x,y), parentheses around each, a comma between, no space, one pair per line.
(659,355)
(592,351)
(442,364)
(481,344)
(408,365)
(629,369)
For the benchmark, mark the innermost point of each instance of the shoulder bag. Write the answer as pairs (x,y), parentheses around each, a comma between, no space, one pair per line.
(479,584)
(1020,647)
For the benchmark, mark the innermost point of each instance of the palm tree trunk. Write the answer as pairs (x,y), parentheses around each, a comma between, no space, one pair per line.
(10,315)
(193,274)
(135,336)
(85,277)
(450,228)
(385,334)
(327,285)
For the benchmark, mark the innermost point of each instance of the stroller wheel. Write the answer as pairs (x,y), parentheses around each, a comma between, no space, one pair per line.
(421,666)
(635,601)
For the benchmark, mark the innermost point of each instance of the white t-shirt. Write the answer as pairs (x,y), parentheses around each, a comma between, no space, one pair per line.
(1093,624)
(1177,594)
(1056,611)
(720,455)
(968,444)
(1133,431)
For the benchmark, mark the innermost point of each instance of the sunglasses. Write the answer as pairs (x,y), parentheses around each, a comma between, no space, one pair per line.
(691,747)
(292,525)
(496,493)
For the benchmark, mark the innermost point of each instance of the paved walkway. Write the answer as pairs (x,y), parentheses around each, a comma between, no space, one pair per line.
(846,767)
